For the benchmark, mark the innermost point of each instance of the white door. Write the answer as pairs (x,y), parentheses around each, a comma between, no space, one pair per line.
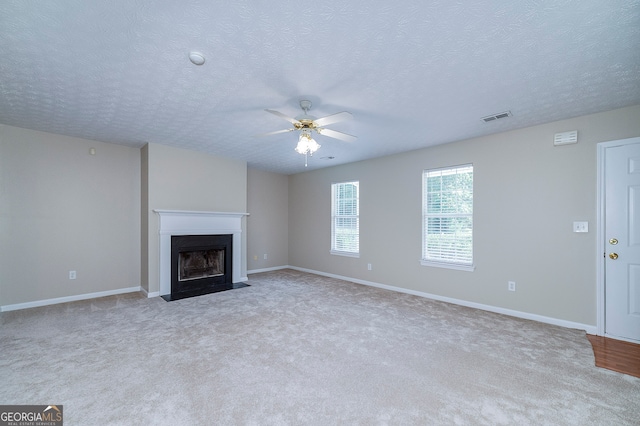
(622,240)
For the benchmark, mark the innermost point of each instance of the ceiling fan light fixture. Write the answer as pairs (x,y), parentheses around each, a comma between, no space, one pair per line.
(306,124)
(306,144)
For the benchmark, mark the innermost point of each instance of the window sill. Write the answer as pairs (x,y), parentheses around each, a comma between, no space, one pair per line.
(344,253)
(456,266)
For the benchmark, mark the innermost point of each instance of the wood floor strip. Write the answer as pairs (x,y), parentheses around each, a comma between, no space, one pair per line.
(616,355)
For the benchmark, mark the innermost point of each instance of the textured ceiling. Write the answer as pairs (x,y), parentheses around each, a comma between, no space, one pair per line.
(413,73)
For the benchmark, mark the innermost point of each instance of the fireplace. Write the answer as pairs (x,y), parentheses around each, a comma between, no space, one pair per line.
(200,264)
(200,252)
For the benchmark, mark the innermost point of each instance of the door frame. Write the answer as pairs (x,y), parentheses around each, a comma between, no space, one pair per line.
(601,237)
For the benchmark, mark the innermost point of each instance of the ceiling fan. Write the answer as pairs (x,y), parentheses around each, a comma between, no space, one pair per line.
(307,124)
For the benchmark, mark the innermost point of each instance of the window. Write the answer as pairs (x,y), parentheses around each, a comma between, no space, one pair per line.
(345,221)
(447,238)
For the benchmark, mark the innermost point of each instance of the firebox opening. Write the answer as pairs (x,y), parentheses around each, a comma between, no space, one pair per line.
(196,264)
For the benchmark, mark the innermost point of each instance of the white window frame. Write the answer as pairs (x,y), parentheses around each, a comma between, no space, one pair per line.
(335,216)
(435,261)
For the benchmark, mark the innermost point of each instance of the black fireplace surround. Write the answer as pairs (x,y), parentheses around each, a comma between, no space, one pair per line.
(200,264)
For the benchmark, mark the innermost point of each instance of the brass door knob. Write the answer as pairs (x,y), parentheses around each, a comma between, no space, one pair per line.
(613,256)
(613,241)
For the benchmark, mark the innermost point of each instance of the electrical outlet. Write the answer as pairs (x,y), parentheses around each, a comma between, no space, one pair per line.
(580,226)
(265,256)
(512,286)
(72,275)
(255,257)
(368,266)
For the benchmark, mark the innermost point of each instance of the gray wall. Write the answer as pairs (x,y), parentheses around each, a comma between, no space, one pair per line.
(179,179)
(63,209)
(527,193)
(267,226)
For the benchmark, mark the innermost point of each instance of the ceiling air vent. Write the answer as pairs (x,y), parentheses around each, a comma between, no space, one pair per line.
(496,116)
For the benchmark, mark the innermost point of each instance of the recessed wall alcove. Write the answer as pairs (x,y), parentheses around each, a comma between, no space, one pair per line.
(182,222)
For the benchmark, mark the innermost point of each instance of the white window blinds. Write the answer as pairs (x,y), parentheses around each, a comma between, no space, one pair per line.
(345,221)
(448,216)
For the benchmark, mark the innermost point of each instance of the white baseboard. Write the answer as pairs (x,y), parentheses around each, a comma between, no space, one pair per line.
(624,339)
(590,329)
(149,295)
(66,299)
(275,268)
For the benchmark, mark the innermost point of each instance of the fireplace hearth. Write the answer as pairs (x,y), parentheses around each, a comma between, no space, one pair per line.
(201,264)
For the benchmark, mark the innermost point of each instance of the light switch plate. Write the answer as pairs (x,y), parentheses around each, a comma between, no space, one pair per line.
(580,226)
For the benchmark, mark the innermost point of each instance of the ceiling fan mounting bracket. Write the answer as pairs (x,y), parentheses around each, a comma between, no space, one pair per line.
(305,105)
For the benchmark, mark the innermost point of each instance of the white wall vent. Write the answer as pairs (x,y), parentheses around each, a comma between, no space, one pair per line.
(565,138)
(498,116)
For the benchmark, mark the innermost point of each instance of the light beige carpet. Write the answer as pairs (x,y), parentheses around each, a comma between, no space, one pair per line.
(296,348)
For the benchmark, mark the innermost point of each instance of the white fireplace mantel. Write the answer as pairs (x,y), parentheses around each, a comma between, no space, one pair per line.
(184,222)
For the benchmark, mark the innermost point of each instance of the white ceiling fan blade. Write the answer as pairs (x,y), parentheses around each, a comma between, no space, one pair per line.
(281,115)
(333,118)
(336,135)
(276,132)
